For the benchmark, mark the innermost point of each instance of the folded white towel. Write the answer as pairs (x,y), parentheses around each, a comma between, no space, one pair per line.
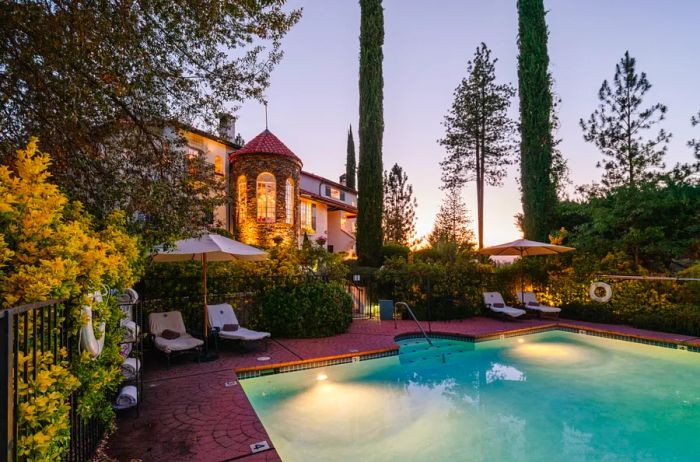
(128,397)
(132,330)
(130,368)
(125,349)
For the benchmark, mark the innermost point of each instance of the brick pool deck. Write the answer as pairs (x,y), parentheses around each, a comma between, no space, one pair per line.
(199,412)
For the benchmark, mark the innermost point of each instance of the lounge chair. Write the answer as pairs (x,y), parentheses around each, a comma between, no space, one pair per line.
(224,323)
(529,300)
(495,303)
(178,339)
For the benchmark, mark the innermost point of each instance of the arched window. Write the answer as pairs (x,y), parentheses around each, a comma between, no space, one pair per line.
(218,166)
(266,191)
(241,198)
(289,201)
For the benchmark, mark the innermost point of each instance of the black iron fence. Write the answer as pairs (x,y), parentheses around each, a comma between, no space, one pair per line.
(33,337)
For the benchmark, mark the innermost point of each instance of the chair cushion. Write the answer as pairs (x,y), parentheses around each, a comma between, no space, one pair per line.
(244,334)
(230,327)
(172,320)
(533,304)
(182,343)
(169,334)
(498,305)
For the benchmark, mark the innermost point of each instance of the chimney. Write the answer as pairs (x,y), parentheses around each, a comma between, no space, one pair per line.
(227,126)
(343,179)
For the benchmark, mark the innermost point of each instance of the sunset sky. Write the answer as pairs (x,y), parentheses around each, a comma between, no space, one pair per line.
(313,95)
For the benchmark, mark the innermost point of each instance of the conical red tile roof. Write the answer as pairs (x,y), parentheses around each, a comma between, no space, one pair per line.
(266,143)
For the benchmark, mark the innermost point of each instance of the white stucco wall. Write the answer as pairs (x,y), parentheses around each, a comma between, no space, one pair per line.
(211,150)
(340,235)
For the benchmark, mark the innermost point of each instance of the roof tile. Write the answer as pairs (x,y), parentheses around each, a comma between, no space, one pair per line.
(266,143)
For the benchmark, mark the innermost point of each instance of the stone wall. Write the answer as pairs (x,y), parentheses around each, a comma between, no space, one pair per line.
(250,231)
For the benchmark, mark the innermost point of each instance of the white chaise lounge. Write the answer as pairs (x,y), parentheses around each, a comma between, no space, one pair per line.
(223,321)
(495,303)
(529,300)
(170,335)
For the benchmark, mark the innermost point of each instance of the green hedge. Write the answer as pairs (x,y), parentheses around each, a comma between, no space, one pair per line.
(683,319)
(310,308)
(443,290)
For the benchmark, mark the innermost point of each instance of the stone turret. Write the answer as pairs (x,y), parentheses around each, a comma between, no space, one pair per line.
(265,191)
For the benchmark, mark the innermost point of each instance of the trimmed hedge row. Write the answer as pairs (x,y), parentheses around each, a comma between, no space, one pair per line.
(310,308)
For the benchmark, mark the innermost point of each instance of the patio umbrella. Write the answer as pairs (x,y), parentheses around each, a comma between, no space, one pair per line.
(209,247)
(524,248)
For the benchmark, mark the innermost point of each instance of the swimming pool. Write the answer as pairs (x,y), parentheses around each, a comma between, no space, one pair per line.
(543,397)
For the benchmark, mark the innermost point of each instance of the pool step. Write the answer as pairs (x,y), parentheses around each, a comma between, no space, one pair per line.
(412,354)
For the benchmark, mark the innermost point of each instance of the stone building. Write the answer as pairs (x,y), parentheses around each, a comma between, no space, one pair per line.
(272,199)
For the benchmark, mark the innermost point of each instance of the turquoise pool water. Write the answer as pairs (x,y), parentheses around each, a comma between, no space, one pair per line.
(553,396)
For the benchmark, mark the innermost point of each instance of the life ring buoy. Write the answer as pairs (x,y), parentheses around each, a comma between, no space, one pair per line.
(607,292)
(88,341)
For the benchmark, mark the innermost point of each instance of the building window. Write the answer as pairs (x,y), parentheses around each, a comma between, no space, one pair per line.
(289,201)
(266,191)
(308,217)
(192,156)
(334,193)
(241,198)
(218,166)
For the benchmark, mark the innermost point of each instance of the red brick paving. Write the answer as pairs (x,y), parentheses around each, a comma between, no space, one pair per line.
(188,413)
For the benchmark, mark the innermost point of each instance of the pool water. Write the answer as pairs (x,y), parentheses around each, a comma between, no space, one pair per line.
(552,396)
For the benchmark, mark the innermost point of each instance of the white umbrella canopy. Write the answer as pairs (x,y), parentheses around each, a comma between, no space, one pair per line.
(208,247)
(524,248)
(213,246)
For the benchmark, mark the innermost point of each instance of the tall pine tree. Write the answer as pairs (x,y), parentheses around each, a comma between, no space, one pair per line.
(534,87)
(350,163)
(452,221)
(695,144)
(617,127)
(479,133)
(369,178)
(399,207)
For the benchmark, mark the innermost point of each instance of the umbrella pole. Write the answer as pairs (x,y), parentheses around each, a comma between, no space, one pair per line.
(206,309)
(522,283)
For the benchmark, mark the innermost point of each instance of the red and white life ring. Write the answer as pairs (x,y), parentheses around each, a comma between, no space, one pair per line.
(596,287)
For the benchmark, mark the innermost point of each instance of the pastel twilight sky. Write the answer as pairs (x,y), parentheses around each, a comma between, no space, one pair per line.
(313,96)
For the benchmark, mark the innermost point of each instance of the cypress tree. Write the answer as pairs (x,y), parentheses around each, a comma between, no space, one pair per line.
(536,145)
(350,166)
(369,178)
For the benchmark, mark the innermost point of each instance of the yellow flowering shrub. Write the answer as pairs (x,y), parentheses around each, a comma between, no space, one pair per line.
(51,248)
(43,411)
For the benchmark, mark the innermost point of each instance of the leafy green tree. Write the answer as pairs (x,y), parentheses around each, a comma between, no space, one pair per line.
(652,223)
(536,145)
(399,207)
(369,178)
(617,128)
(479,133)
(101,82)
(452,222)
(350,163)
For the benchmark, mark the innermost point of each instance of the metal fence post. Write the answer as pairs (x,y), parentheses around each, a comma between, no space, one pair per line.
(6,391)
